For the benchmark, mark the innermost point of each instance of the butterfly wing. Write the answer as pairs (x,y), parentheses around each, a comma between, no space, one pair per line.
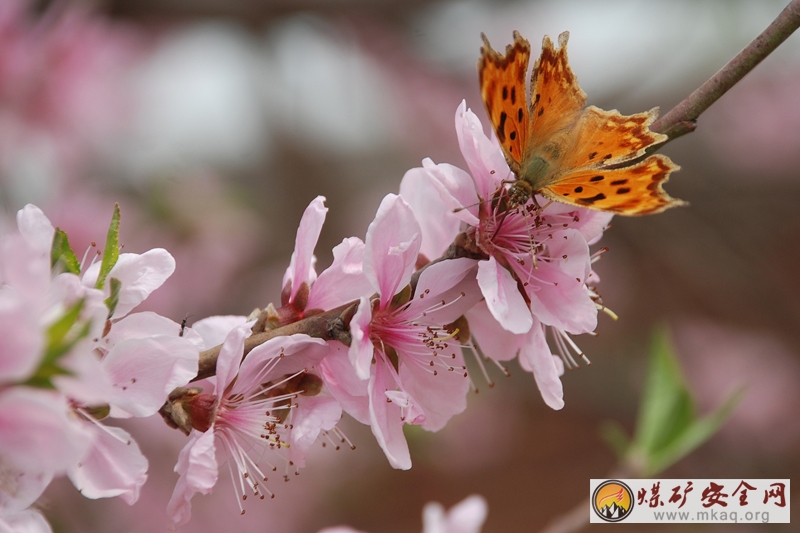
(502,80)
(600,168)
(607,138)
(630,190)
(556,98)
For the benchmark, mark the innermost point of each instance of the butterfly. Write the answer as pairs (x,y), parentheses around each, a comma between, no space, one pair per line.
(563,150)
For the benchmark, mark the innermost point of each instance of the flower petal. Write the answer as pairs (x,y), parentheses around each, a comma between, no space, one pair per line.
(392,245)
(36,432)
(147,324)
(433,192)
(386,421)
(214,329)
(343,383)
(301,266)
(483,155)
(495,342)
(361,349)
(27,521)
(36,228)
(312,415)
(145,371)
(503,298)
(140,275)
(114,467)
(230,356)
(344,280)
(535,357)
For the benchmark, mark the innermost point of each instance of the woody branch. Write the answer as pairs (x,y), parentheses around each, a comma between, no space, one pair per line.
(682,119)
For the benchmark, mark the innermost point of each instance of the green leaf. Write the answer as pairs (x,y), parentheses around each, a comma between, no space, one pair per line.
(615,436)
(666,409)
(111,250)
(694,436)
(61,337)
(62,253)
(667,427)
(113,300)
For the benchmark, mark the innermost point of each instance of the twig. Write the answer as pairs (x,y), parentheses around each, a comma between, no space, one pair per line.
(682,118)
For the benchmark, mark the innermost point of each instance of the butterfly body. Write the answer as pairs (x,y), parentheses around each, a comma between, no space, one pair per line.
(562,149)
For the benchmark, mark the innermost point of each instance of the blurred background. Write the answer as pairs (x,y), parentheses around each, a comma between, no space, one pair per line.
(214,122)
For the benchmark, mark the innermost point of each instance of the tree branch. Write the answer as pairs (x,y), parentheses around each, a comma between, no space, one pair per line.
(682,119)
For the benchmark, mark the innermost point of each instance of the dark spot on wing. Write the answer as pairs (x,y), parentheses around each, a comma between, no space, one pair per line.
(540,113)
(619,182)
(501,128)
(597,178)
(593,199)
(513,95)
(505,92)
(520,115)
(512,135)
(623,190)
(578,189)
(591,156)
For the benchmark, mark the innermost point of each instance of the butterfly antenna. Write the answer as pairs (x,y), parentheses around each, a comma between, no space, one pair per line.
(458,209)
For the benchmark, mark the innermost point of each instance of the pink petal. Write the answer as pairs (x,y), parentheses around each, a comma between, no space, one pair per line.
(230,356)
(25,268)
(114,467)
(36,432)
(361,348)
(341,379)
(392,245)
(197,466)
(456,188)
(147,324)
(145,371)
(503,297)
(440,396)
(20,489)
(386,422)
(433,193)
(494,341)
(27,521)
(295,353)
(301,267)
(535,357)
(466,516)
(140,275)
(447,281)
(36,228)
(343,281)
(22,337)
(483,156)
(214,329)
(312,415)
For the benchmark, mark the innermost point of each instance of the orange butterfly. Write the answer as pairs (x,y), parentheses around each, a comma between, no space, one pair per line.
(560,148)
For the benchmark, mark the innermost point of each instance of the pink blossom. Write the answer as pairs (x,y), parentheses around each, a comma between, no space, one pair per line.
(27,521)
(466,516)
(400,347)
(340,283)
(536,263)
(138,366)
(244,414)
